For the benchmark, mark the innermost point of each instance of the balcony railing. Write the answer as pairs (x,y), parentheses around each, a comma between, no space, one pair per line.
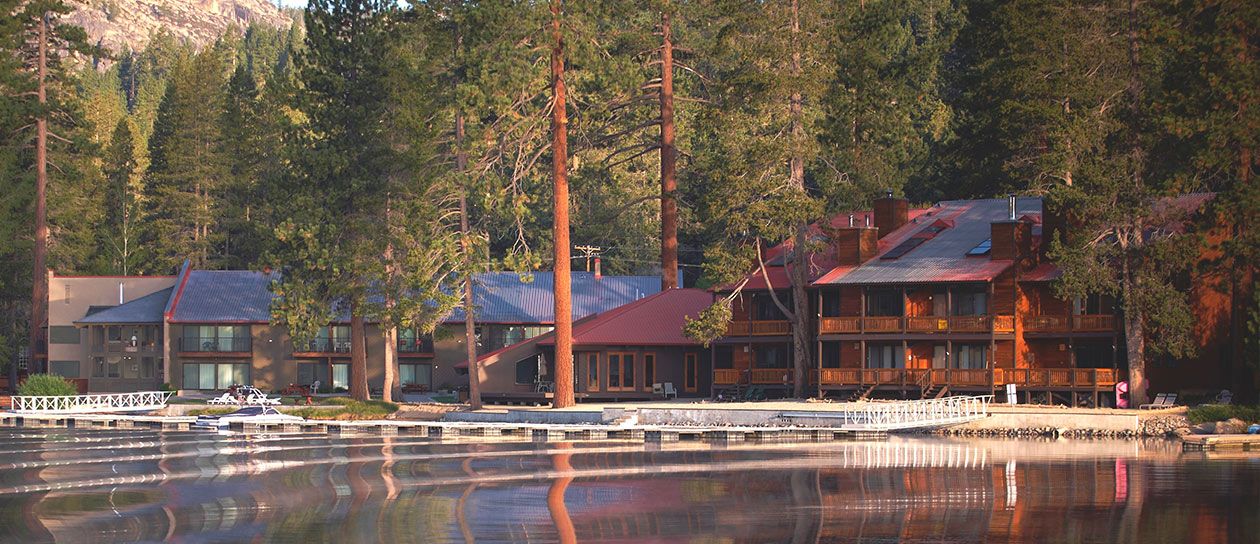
(415,346)
(1090,378)
(918,324)
(1094,322)
(1046,323)
(758,328)
(215,345)
(1063,323)
(732,376)
(324,345)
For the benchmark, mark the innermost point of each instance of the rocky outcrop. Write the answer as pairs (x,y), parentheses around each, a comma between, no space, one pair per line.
(120,25)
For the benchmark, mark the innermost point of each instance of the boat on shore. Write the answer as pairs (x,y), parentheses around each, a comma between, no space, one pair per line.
(260,415)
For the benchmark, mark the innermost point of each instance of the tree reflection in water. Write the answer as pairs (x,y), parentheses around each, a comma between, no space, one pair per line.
(113,485)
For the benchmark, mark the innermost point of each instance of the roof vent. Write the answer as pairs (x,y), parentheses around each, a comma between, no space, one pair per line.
(1011,202)
(851,221)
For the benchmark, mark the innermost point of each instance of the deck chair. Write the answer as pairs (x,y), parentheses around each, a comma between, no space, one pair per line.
(667,390)
(658,389)
(224,399)
(1162,400)
(1224,397)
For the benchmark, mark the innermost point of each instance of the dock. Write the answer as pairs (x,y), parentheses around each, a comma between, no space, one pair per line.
(448,430)
(1221,442)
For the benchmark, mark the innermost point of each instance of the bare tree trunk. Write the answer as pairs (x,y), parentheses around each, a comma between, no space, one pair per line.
(669,183)
(39,290)
(560,225)
(358,356)
(391,361)
(389,328)
(798,276)
(1134,337)
(470,327)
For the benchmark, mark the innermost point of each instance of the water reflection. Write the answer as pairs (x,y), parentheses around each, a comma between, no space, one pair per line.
(111,485)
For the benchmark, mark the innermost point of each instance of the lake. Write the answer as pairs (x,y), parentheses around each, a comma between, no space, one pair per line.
(95,486)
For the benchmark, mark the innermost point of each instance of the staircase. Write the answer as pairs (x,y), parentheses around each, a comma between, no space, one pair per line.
(863,394)
(934,391)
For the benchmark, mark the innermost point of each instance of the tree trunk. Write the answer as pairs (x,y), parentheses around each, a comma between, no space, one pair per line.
(798,276)
(358,356)
(390,331)
(39,290)
(470,327)
(1134,337)
(669,183)
(391,362)
(560,225)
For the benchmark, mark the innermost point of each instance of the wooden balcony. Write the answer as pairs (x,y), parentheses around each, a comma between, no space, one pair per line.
(1077,323)
(725,376)
(1078,378)
(763,376)
(758,328)
(918,324)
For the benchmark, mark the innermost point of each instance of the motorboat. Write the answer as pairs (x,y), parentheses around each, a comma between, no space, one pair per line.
(255,415)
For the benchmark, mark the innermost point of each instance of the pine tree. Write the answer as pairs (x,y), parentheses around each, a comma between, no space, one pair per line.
(122,203)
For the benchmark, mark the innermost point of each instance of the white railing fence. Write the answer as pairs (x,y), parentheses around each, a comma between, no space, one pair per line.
(80,404)
(888,416)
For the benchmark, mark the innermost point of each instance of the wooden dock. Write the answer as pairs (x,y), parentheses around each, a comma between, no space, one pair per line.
(1221,442)
(538,432)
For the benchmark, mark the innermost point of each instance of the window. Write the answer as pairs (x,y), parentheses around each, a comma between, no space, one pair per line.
(982,249)
(215,375)
(592,372)
(903,248)
(1096,355)
(971,356)
(527,371)
(620,371)
(215,338)
(649,371)
(723,357)
(830,355)
(691,369)
(885,356)
(970,302)
(1094,305)
(341,375)
(764,308)
(65,369)
(831,303)
(773,356)
(884,303)
(62,334)
(416,374)
(114,333)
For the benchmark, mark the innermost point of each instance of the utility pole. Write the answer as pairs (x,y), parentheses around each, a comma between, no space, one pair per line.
(587,253)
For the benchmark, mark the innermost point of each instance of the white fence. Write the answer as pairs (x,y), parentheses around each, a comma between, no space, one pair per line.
(906,415)
(84,404)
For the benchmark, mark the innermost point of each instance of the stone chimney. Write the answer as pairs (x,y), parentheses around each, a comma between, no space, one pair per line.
(890,213)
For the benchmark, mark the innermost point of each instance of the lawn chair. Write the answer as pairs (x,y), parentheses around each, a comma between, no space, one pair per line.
(1162,400)
(668,391)
(255,397)
(1224,397)
(658,389)
(224,399)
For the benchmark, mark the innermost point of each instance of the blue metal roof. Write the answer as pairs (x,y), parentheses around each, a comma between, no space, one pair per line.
(223,296)
(238,296)
(146,309)
(502,297)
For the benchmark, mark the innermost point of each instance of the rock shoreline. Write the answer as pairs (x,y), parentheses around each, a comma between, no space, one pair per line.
(1165,426)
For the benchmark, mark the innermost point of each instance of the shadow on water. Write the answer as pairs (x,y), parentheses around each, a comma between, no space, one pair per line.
(108,485)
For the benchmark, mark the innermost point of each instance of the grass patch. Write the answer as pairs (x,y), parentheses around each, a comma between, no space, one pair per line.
(349,409)
(1222,412)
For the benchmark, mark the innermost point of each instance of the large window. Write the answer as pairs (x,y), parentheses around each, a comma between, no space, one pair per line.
(691,369)
(341,375)
(1094,305)
(411,342)
(416,374)
(649,371)
(773,356)
(107,367)
(830,303)
(215,338)
(65,369)
(723,357)
(884,303)
(970,302)
(527,371)
(592,371)
(620,371)
(764,308)
(885,356)
(62,334)
(973,356)
(830,355)
(215,375)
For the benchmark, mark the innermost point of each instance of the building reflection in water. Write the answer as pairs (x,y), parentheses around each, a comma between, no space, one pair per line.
(101,486)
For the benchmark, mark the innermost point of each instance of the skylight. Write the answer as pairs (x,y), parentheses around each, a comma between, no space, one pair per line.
(903,248)
(982,249)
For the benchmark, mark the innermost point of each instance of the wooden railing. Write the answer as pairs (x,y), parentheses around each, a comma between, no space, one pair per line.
(969,323)
(1003,323)
(771,375)
(1094,322)
(927,324)
(881,324)
(840,324)
(758,328)
(1024,377)
(1046,323)
(725,376)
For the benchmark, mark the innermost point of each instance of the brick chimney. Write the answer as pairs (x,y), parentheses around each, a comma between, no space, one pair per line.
(1011,239)
(854,244)
(890,213)
(598,274)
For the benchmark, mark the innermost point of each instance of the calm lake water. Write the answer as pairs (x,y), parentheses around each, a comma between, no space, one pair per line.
(98,486)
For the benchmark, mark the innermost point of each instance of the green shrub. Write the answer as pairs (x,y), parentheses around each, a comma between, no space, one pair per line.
(46,385)
(1222,412)
(211,411)
(349,409)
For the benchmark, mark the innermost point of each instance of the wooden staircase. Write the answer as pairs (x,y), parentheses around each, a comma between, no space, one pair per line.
(863,394)
(934,391)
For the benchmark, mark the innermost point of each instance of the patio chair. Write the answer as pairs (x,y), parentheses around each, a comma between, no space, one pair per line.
(224,399)
(1162,400)
(668,391)
(1224,397)
(658,389)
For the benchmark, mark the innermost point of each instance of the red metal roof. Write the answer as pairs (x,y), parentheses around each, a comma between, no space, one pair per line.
(653,321)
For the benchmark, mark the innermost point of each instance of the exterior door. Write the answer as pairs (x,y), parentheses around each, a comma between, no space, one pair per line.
(621,371)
